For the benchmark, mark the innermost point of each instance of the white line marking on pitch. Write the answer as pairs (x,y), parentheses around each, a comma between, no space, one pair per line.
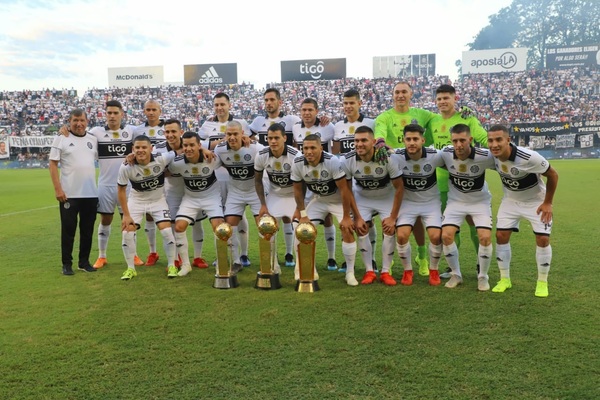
(25,211)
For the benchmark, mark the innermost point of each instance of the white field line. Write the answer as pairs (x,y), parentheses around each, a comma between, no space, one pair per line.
(26,211)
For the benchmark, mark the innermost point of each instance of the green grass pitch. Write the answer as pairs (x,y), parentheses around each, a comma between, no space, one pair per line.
(93,336)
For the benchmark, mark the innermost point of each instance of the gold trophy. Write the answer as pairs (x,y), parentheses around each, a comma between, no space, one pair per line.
(224,278)
(306,233)
(267,278)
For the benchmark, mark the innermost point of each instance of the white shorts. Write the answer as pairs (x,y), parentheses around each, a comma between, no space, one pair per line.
(317,210)
(281,206)
(456,212)
(173,202)
(430,212)
(510,213)
(236,203)
(195,209)
(158,210)
(368,207)
(108,199)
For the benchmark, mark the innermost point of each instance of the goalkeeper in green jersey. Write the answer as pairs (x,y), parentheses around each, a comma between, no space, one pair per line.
(438,135)
(389,130)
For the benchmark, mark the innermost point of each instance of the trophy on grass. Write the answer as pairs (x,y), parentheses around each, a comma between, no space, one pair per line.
(224,278)
(306,233)
(267,278)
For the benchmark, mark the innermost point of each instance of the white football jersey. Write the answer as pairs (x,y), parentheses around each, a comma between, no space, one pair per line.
(344,132)
(147,181)
(300,131)
(113,147)
(261,124)
(521,174)
(371,179)
(239,165)
(278,169)
(467,177)
(320,179)
(420,181)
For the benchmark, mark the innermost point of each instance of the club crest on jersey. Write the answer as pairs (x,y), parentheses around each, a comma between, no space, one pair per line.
(222,129)
(514,171)
(151,133)
(306,133)
(462,168)
(146,172)
(195,170)
(205,170)
(315,173)
(286,167)
(324,174)
(416,168)
(277,166)
(156,169)
(247,157)
(351,130)
(89,145)
(474,169)
(236,157)
(427,167)
(125,135)
(504,168)
(379,170)
(115,135)
(367,170)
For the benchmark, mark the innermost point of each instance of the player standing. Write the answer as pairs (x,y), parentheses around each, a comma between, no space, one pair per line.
(525,196)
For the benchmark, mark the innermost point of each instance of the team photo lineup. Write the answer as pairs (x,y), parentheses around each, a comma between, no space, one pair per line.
(374,181)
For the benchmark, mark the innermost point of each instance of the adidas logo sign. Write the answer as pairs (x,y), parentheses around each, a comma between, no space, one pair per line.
(210,76)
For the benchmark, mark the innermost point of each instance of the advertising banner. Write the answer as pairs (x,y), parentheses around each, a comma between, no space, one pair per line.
(403,66)
(572,56)
(493,61)
(313,70)
(210,74)
(130,77)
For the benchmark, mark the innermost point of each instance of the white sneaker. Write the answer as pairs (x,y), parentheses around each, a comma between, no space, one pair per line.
(351,280)
(184,270)
(454,281)
(482,284)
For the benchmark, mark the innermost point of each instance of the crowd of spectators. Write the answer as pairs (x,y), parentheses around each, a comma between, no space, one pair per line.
(532,96)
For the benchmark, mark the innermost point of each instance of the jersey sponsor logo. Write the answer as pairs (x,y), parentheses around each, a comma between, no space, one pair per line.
(240,173)
(373,184)
(468,184)
(322,188)
(419,184)
(199,184)
(114,150)
(519,184)
(281,180)
(148,185)
(347,145)
(210,76)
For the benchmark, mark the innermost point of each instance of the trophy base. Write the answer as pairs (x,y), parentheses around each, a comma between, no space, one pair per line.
(307,286)
(226,282)
(267,281)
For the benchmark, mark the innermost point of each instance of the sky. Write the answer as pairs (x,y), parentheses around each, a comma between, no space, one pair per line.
(71,44)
